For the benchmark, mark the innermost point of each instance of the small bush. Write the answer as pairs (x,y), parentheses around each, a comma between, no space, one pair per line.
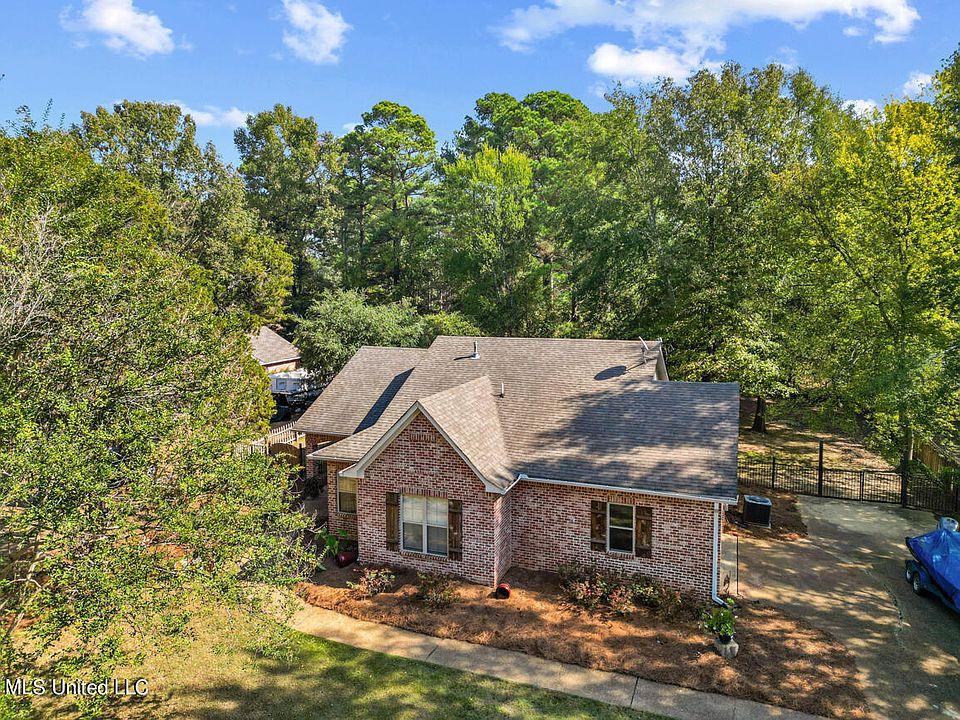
(332,542)
(373,581)
(435,591)
(593,589)
(720,621)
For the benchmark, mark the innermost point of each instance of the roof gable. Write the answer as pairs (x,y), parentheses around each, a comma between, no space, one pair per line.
(466,416)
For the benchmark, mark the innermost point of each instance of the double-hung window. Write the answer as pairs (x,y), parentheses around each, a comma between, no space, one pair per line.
(424,521)
(347,495)
(620,528)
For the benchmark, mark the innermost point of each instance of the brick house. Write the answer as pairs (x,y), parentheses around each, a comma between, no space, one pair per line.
(478,454)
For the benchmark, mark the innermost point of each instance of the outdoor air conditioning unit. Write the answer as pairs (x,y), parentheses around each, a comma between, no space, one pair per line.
(756,510)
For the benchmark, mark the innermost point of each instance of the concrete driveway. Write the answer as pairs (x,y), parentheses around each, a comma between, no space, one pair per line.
(847,578)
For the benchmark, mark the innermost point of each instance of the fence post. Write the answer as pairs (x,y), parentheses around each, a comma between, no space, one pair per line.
(861,485)
(773,473)
(820,471)
(904,472)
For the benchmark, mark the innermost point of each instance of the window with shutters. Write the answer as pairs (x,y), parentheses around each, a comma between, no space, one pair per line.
(347,495)
(620,528)
(424,523)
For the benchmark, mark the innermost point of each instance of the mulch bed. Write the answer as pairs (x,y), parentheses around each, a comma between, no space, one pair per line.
(786,523)
(782,661)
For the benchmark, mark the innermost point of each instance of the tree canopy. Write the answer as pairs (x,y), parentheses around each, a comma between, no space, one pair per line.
(125,395)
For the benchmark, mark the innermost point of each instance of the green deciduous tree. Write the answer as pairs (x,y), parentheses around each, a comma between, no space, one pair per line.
(210,220)
(490,251)
(881,212)
(124,398)
(341,321)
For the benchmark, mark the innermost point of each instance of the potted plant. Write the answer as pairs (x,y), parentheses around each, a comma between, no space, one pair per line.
(721,622)
(335,546)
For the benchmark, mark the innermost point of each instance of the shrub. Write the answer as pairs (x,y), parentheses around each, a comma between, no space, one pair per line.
(592,589)
(331,541)
(435,591)
(720,621)
(373,581)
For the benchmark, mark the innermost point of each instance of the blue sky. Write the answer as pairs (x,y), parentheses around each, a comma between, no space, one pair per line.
(335,59)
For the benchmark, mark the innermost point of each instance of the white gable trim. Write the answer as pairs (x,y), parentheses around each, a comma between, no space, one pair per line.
(357,469)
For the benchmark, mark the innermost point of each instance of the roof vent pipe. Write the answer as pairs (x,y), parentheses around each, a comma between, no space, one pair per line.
(476,351)
(501,389)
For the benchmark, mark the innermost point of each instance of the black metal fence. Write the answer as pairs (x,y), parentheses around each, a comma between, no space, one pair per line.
(917,490)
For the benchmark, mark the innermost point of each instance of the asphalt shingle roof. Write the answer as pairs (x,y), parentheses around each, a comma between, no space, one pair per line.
(468,414)
(580,411)
(361,391)
(270,349)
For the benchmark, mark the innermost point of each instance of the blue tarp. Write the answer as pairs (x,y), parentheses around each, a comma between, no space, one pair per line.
(939,553)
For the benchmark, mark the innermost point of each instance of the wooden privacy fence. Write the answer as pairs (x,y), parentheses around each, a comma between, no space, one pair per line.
(917,490)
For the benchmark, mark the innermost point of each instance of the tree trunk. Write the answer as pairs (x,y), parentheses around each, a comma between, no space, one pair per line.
(760,415)
(907,456)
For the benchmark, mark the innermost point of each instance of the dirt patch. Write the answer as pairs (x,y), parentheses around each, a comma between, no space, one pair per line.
(783,661)
(791,438)
(786,523)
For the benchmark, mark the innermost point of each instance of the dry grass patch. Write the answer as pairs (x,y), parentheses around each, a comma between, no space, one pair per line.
(783,660)
(791,438)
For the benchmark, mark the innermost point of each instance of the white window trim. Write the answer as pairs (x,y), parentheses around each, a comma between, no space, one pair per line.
(424,525)
(355,488)
(632,528)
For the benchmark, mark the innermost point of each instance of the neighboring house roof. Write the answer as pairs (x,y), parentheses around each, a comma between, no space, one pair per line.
(361,391)
(271,349)
(573,411)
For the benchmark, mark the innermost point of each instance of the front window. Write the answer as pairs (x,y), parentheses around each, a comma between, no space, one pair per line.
(347,495)
(620,524)
(424,522)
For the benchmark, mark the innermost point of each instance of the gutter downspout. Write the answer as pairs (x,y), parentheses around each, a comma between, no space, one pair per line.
(716,555)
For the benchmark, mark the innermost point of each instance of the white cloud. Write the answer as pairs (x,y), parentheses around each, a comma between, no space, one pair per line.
(316,34)
(864,108)
(916,83)
(351,126)
(853,31)
(125,27)
(213,116)
(642,65)
(678,35)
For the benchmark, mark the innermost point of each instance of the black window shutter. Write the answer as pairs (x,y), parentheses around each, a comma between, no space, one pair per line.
(455,529)
(598,525)
(393,521)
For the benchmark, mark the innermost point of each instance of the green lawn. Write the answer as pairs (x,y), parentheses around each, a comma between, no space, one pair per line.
(219,678)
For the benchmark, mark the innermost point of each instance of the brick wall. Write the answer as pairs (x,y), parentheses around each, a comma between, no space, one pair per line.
(420,462)
(551,527)
(337,520)
(311,442)
(537,526)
